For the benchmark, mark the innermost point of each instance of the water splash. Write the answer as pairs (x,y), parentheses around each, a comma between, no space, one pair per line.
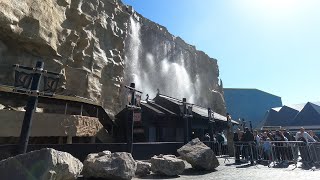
(150,73)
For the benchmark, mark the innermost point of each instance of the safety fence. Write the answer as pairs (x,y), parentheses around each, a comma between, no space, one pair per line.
(220,149)
(278,153)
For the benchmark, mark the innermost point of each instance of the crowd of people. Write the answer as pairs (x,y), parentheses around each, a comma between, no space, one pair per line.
(257,145)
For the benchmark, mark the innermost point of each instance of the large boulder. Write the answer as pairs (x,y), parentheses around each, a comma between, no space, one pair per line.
(118,165)
(199,155)
(167,165)
(143,168)
(42,164)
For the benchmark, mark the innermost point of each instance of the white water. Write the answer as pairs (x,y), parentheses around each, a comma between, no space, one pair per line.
(150,73)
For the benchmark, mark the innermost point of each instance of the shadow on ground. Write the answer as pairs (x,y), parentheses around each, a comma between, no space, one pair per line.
(158,176)
(186,172)
(195,172)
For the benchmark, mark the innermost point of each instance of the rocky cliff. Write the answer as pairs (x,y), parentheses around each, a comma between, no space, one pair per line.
(98,45)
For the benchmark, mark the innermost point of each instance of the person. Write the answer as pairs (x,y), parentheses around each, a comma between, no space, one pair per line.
(267,149)
(220,140)
(264,136)
(279,147)
(302,135)
(236,139)
(312,134)
(289,152)
(257,138)
(249,139)
(288,135)
(207,137)
(248,136)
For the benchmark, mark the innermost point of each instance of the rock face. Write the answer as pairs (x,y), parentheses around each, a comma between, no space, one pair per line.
(199,155)
(82,39)
(159,60)
(118,165)
(167,165)
(143,168)
(43,164)
(101,43)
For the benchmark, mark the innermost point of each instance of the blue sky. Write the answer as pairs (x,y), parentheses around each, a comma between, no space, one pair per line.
(271,45)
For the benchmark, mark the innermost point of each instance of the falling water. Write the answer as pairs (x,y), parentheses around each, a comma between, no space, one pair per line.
(150,73)
(132,56)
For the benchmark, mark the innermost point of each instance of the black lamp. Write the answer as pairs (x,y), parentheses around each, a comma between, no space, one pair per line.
(51,82)
(22,79)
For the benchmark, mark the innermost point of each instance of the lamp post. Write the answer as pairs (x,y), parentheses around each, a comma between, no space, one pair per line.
(186,112)
(23,77)
(133,104)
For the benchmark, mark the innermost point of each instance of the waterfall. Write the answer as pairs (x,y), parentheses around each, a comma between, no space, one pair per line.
(150,73)
(133,54)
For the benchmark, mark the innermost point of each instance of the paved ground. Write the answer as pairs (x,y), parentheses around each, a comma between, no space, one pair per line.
(230,171)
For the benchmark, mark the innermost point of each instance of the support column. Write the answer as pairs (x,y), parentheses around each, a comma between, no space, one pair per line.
(129,130)
(187,132)
(69,139)
(60,141)
(93,139)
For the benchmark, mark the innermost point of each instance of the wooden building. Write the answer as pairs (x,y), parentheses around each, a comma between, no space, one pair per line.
(161,120)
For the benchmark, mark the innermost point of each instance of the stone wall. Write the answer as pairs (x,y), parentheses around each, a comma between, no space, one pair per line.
(88,41)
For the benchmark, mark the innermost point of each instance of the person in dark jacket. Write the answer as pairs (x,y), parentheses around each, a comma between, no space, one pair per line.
(249,139)
(248,136)
(236,139)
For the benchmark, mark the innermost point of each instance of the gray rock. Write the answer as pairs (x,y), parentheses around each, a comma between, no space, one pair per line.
(167,165)
(118,165)
(199,155)
(143,168)
(43,164)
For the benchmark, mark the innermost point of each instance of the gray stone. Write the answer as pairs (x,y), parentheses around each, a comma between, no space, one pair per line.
(118,165)
(143,168)
(167,165)
(43,164)
(199,155)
